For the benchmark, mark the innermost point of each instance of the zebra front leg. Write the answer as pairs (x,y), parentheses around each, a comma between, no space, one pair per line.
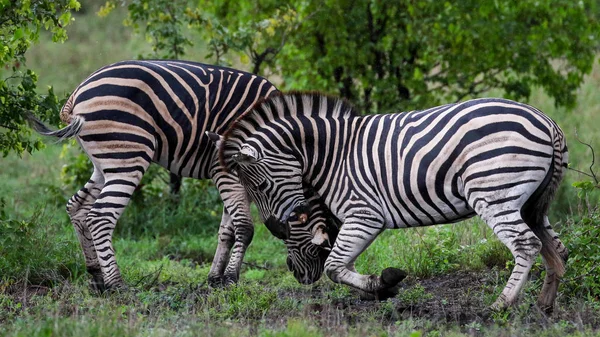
(221,258)
(354,237)
(237,204)
(78,208)
(244,231)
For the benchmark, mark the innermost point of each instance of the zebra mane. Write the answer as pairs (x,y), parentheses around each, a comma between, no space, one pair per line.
(277,106)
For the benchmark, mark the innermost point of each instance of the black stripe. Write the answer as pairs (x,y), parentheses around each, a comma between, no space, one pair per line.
(127,169)
(124,155)
(118,136)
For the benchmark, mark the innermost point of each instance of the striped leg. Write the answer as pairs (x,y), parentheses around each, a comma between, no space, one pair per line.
(235,201)
(354,238)
(523,244)
(120,184)
(555,268)
(78,208)
(226,240)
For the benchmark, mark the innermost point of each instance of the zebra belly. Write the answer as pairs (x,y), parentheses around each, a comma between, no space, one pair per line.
(416,218)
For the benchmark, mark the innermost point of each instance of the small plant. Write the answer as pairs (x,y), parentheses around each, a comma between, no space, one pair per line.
(243,301)
(414,295)
(36,251)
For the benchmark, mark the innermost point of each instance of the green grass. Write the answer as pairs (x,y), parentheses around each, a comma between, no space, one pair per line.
(165,249)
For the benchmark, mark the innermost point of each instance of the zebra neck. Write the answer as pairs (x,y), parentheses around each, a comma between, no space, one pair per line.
(326,146)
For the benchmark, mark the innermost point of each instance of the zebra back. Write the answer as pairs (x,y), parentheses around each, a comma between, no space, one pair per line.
(168,103)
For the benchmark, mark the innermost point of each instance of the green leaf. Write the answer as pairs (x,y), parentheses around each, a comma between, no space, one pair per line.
(18,34)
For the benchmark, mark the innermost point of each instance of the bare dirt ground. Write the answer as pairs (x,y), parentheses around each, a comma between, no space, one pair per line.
(457,298)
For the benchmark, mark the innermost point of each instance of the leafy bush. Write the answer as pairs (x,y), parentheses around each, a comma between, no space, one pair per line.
(583,235)
(37,251)
(582,238)
(21,23)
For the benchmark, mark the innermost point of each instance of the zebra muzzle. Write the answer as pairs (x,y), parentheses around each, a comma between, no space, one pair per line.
(320,237)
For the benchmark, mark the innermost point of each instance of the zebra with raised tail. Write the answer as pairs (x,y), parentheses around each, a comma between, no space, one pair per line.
(129,114)
(495,158)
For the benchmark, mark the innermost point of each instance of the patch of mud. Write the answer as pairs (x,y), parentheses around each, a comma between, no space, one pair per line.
(453,298)
(457,297)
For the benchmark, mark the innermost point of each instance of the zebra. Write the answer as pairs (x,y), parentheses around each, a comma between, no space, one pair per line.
(496,158)
(131,113)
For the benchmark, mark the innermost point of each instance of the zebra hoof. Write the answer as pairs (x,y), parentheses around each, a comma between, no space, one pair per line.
(97,286)
(229,280)
(498,306)
(215,281)
(384,294)
(118,288)
(390,280)
(546,309)
(392,276)
(546,300)
(97,282)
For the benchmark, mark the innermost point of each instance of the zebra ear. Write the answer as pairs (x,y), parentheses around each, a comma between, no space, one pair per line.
(215,138)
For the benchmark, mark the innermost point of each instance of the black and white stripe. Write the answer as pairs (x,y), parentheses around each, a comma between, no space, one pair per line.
(496,158)
(129,114)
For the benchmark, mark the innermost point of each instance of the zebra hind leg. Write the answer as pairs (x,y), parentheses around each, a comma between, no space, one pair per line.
(524,245)
(102,218)
(554,255)
(78,208)
(226,240)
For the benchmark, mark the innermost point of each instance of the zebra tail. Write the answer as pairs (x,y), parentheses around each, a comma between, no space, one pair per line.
(69,131)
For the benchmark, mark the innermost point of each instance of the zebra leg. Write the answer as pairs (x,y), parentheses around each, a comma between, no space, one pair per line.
(236,202)
(524,245)
(226,240)
(552,248)
(78,208)
(120,184)
(354,238)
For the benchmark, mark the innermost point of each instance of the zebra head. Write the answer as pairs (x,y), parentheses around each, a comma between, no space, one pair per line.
(290,209)
(310,242)
(274,183)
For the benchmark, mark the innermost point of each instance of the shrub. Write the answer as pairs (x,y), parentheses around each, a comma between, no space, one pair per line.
(582,238)
(37,251)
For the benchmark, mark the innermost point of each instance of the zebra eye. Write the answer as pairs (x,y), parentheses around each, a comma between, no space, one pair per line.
(263,186)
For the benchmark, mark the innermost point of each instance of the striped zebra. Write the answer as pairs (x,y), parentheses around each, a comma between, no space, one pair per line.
(129,114)
(495,158)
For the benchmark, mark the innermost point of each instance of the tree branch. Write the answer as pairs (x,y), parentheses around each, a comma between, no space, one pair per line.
(591,174)
(8,127)
(471,89)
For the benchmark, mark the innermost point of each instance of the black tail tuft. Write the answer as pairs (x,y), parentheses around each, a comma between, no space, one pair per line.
(69,131)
